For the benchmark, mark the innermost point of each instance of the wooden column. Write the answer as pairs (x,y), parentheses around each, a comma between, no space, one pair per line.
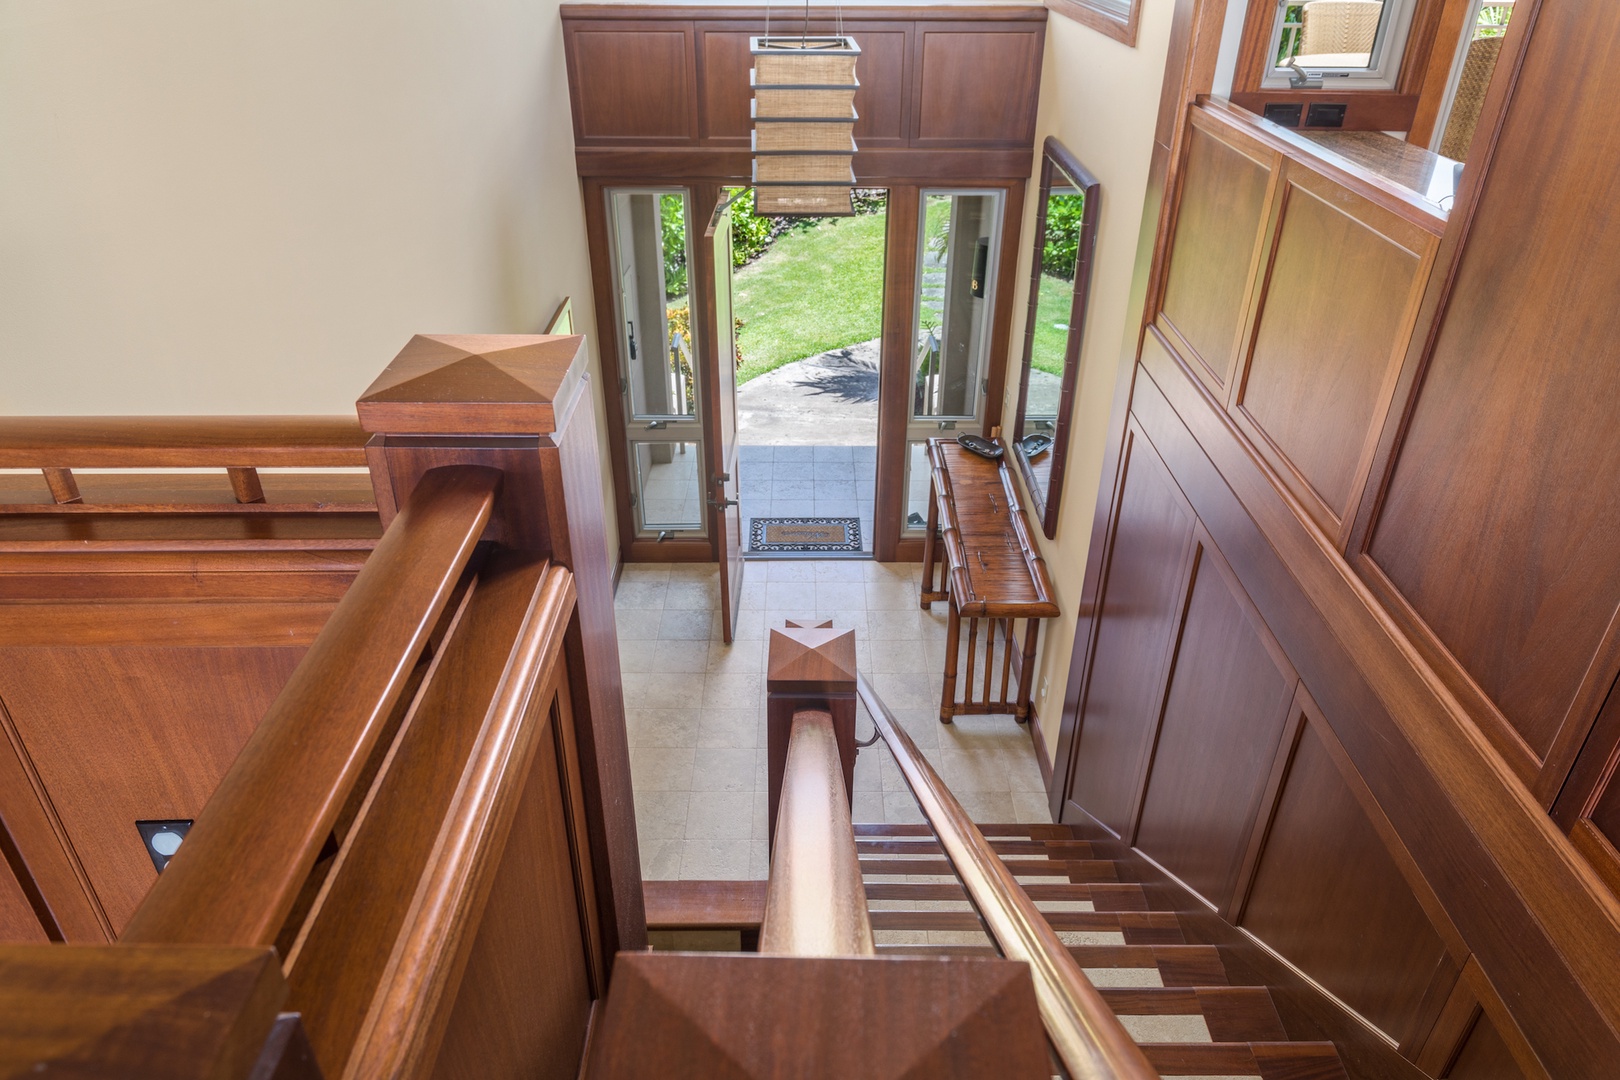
(528,398)
(809,667)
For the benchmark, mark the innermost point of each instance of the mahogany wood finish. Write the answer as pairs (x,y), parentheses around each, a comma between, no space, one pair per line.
(670,78)
(701,1016)
(704,905)
(185,1013)
(1212,257)
(1087,1036)
(808,668)
(1317,375)
(1498,576)
(351,677)
(991,572)
(550,503)
(1225,708)
(1412,525)
(815,904)
(160,442)
(116,734)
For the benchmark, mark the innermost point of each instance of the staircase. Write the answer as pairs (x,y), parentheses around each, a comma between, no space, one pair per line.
(1173,997)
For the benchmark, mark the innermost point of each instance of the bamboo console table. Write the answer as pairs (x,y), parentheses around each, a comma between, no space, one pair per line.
(992,574)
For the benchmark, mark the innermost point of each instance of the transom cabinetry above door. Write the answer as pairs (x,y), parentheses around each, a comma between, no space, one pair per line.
(955,85)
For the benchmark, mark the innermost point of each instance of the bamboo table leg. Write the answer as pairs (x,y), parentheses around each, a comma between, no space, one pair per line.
(1026,672)
(930,549)
(953,638)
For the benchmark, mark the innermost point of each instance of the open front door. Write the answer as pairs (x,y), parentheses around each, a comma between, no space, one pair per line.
(723,483)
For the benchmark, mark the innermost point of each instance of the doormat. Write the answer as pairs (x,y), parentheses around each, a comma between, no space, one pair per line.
(804,534)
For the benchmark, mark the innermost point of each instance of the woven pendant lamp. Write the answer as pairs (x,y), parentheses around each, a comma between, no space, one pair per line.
(804,124)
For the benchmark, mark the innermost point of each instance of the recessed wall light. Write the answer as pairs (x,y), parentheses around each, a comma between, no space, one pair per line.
(162,839)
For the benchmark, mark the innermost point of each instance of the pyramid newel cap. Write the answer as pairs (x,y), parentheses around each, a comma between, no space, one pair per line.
(463,384)
(811,660)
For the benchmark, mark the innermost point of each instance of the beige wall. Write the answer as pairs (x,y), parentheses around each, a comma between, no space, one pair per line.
(249,207)
(1100,99)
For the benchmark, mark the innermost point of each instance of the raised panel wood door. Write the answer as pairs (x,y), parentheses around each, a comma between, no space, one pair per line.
(1141,609)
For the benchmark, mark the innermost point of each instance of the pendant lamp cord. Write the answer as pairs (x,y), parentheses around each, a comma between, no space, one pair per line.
(804,34)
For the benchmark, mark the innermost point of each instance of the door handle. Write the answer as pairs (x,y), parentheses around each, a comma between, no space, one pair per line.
(721,504)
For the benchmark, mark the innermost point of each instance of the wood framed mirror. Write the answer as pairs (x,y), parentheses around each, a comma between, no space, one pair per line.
(1059,290)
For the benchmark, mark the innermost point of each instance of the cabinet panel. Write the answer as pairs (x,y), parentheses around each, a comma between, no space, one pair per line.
(1333,320)
(632,83)
(1223,715)
(1219,221)
(976,87)
(1330,898)
(1141,608)
(118,735)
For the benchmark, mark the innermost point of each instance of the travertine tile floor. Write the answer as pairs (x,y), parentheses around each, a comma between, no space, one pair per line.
(695,708)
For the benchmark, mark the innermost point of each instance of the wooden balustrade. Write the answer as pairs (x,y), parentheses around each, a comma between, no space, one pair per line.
(235,447)
(432,823)
(236,878)
(1086,1033)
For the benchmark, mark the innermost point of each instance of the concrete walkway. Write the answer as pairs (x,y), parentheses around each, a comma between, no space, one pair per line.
(829,399)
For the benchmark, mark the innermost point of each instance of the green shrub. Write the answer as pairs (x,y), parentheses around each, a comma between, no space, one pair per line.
(1064,214)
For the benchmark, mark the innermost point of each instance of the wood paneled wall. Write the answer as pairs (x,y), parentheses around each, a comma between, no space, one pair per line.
(1351,639)
(945,92)
(129,681)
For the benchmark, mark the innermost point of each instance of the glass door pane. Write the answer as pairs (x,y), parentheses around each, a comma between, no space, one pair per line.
(652,257)
(959,248)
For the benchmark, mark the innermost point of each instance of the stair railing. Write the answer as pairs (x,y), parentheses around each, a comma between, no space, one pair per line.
(815,904)
(1088,1037)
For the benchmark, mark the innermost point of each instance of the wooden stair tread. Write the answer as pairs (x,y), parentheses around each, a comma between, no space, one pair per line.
(1248,1035)
(1268,1060)
(908,845)
(704,905)
(1080,871)
(1106,896)
(1138,927)
(1232,1013)
(993,831)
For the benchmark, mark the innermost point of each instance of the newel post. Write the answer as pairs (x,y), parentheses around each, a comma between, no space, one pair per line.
(808,667)
(522,404)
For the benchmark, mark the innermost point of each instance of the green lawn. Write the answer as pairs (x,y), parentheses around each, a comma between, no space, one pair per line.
(1051,324)
(815,289)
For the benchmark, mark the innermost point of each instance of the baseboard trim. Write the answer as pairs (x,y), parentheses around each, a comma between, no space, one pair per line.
(1038,737)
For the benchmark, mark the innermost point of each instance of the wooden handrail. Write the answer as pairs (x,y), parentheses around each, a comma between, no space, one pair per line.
(376,982)
(1089,1038)
(316,740)
(178,442)
(815,904)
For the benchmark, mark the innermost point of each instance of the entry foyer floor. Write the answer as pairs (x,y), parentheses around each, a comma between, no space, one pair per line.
(695,708)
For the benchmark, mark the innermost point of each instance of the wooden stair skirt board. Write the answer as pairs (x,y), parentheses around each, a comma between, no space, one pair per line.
(1172,994)
(804,534)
